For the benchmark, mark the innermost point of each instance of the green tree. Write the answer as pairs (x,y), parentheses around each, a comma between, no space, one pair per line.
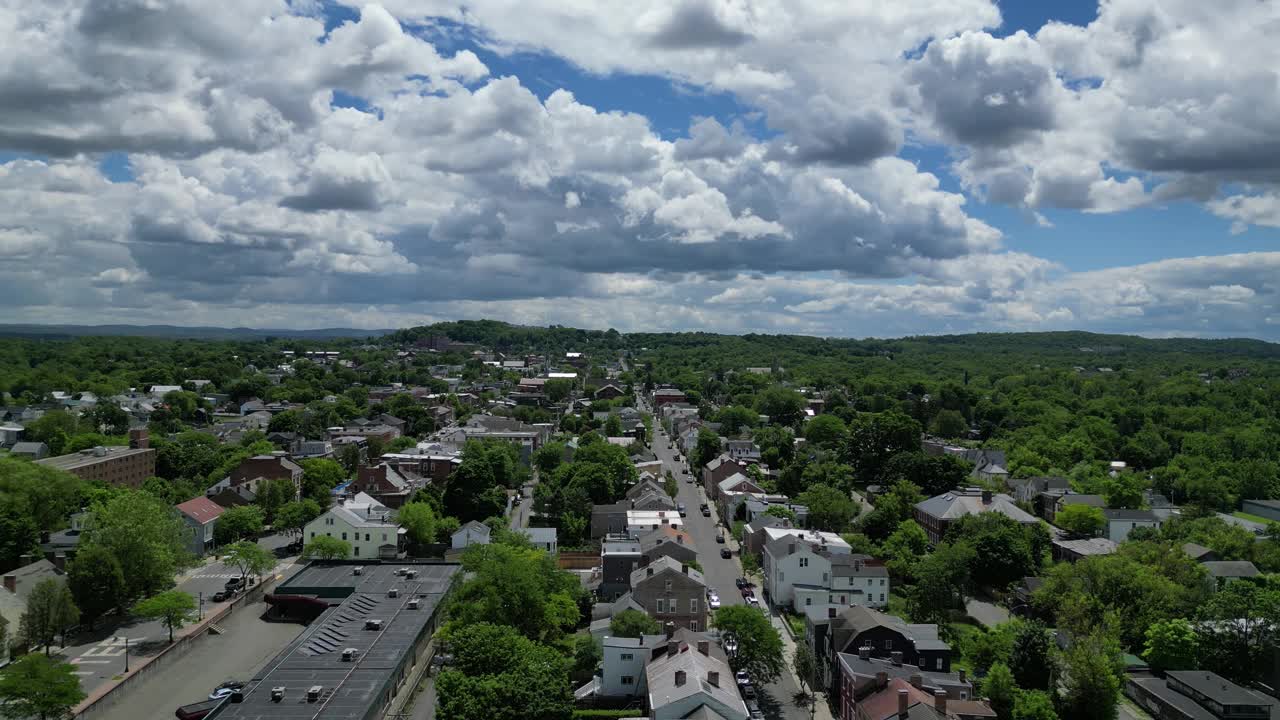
(548,457)
(518,586)
(249,557)
(319,476)
(18,536)
(1240,629)
(294,516)
(1081,520)
(1172,645)
(876,437)
(50,610)
(40,494)
(1005,550)
(903,549)
(1000,690)
(587,654)
(106,417)
(949,424)
(760,649)
(327,547)
(272,495)
(933,474)
(783,406)
(1092,671)
(557,390)
(891,509)
(239,523)
(498,674)
(173,608)
(1031,657)
(53,429)
(1125,491)
(613,425)
(781,511)
(96,582)
(809,673)
(633,624)
(35,686)
(734,418)
(942,581)
(829,508)
(419,522)
(147,537)
(825,431)
(707,448)
(287,421)
(1033,705)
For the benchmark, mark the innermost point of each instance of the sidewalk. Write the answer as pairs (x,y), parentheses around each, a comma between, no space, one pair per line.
(789,652)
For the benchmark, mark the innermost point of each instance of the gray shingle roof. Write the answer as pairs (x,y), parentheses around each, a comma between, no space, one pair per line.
(959,503)
(1231,568)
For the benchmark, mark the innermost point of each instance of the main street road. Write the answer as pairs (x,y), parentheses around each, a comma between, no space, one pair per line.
(777,700)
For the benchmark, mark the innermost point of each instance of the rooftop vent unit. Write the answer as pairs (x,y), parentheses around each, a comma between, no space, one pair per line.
(313,693)
(277,693)
(372,624)
(393,592)
(349,654)
(411,574)
(413,604)
(357,570)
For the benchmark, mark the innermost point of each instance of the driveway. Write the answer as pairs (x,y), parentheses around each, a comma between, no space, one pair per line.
(987,614)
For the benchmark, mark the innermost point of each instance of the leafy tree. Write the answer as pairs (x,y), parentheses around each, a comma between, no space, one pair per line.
(419,521)
(933,474)
(498,674)
(18,536)
(707,448)
(519,586)
(1172,645)
(147,537)
(274,494)
(825,431)
(777,445)
(106,417)
(287,421)
(1000,690)
(238,523)
(1081,520)
(587,654)
(809,673)
(1092,672)
(613,425)
(783,406)
(949,424)
(1031,657)
(249,557)
(327,547)
(1005,550)
(776,511)
(891,509)
(53,429)
(760,650)
(1125,491)
(35,686)
(96,582)
(548,457)
(50,611)
(173,608)
(1240,629)
(633,624)
(557,390)
(1033,705)
(875,438)
(319,476)
(294,516)
(942,581)
(990,647)
(734,418)
(903,549)
(42,494)
(829,508)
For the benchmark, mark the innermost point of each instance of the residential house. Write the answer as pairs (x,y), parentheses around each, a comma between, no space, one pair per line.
(32,450)
(18,584)
(760,505)
(252,472)
(252,406)
(845,630)
(753,536)
(828,540)
(1198,695)
(9,432)
(290,442)
(653,501)
(201,516)
(1199,553)
(1269,509)
(308,449)
(609,519)
(667,542)
(542,538)
(646,486)
(472,533)
(798,574)
(384,483)
(1073,549)
(609,391)
(667,396)
(641,522)
(718,470)
(362,521)
(1061,502)
(863,681)
(619,557)
(622,666)
(732,492)
(689,681)
(743,451)
(1026,490)
(1221,572)
(671,592)
(937,513)
(1121,522)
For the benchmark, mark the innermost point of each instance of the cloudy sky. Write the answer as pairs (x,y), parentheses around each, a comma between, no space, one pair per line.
(833,167)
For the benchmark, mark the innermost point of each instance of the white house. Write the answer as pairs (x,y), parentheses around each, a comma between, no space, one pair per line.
(473,533)
(622,668)
(542,538)
(827,540)
(362,521)
(642,522)
(800,574)
(689,679)
(1121,522)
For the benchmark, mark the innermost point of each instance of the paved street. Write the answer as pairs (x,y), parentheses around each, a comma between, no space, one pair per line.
(987,614)
(777,700)
(99,654)
(246,646)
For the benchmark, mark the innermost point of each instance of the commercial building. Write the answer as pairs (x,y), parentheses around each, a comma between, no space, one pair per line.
(115,464)
(370,627)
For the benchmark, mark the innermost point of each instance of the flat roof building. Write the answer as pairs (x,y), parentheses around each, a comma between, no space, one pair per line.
(357,653)
(114,465)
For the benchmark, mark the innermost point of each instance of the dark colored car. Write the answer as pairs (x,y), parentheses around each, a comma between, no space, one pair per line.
(220,596)
(706,511)
(720,538)
(742,583)
(726,553)
(234,585)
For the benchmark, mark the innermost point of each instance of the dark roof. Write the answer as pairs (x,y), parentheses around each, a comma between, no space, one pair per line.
(1196,551)
(1231,568)
(350,689)
(1126,514)
(1217,688)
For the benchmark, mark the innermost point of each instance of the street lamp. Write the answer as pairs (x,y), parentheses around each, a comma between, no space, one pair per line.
(201,610)
(126,653)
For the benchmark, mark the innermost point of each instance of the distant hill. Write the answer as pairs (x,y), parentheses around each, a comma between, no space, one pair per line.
(176,331)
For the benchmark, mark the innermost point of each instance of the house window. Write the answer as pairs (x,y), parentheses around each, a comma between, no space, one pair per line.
(888,644)
(356,550)
(693,625)
(824,577)
(313,533)
(366,537)
(804,562)
(939,663)
(661,605)
(781,576)
(881,582)
(384,537)
(881,597)
(344,536)
(693,606)
(808,601)
(627,656)
(668,585)
(628,680)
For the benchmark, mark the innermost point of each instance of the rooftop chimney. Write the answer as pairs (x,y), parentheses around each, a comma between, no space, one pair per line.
(684,568)
(896,658)
(704,647)
(671,629)
(139,439)
(672,648)
(680,676)
(648,572)
(916,680)
(903,700)
(713,679)
(864,652)
(940,701)
(986,497)
(882,679)
(11,583)
(961,671)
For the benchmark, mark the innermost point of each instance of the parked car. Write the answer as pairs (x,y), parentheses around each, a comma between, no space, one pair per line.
(226,689)
(706,511)
(753,711)
(753,600)
(681,510)
(747,592)
(713,601)
(742,583)
(234,585)
(220,596)
(726,553)
(720,538)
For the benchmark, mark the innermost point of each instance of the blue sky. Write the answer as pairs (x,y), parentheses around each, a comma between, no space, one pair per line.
(730,165)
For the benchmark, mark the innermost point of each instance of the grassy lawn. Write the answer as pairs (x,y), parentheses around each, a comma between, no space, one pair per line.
(796,622)
(1250,516)
(897,606)
(962,633)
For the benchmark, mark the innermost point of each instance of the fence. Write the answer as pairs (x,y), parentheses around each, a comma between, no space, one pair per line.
(578,560)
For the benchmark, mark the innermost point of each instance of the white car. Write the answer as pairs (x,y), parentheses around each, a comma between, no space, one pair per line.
(713,601)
